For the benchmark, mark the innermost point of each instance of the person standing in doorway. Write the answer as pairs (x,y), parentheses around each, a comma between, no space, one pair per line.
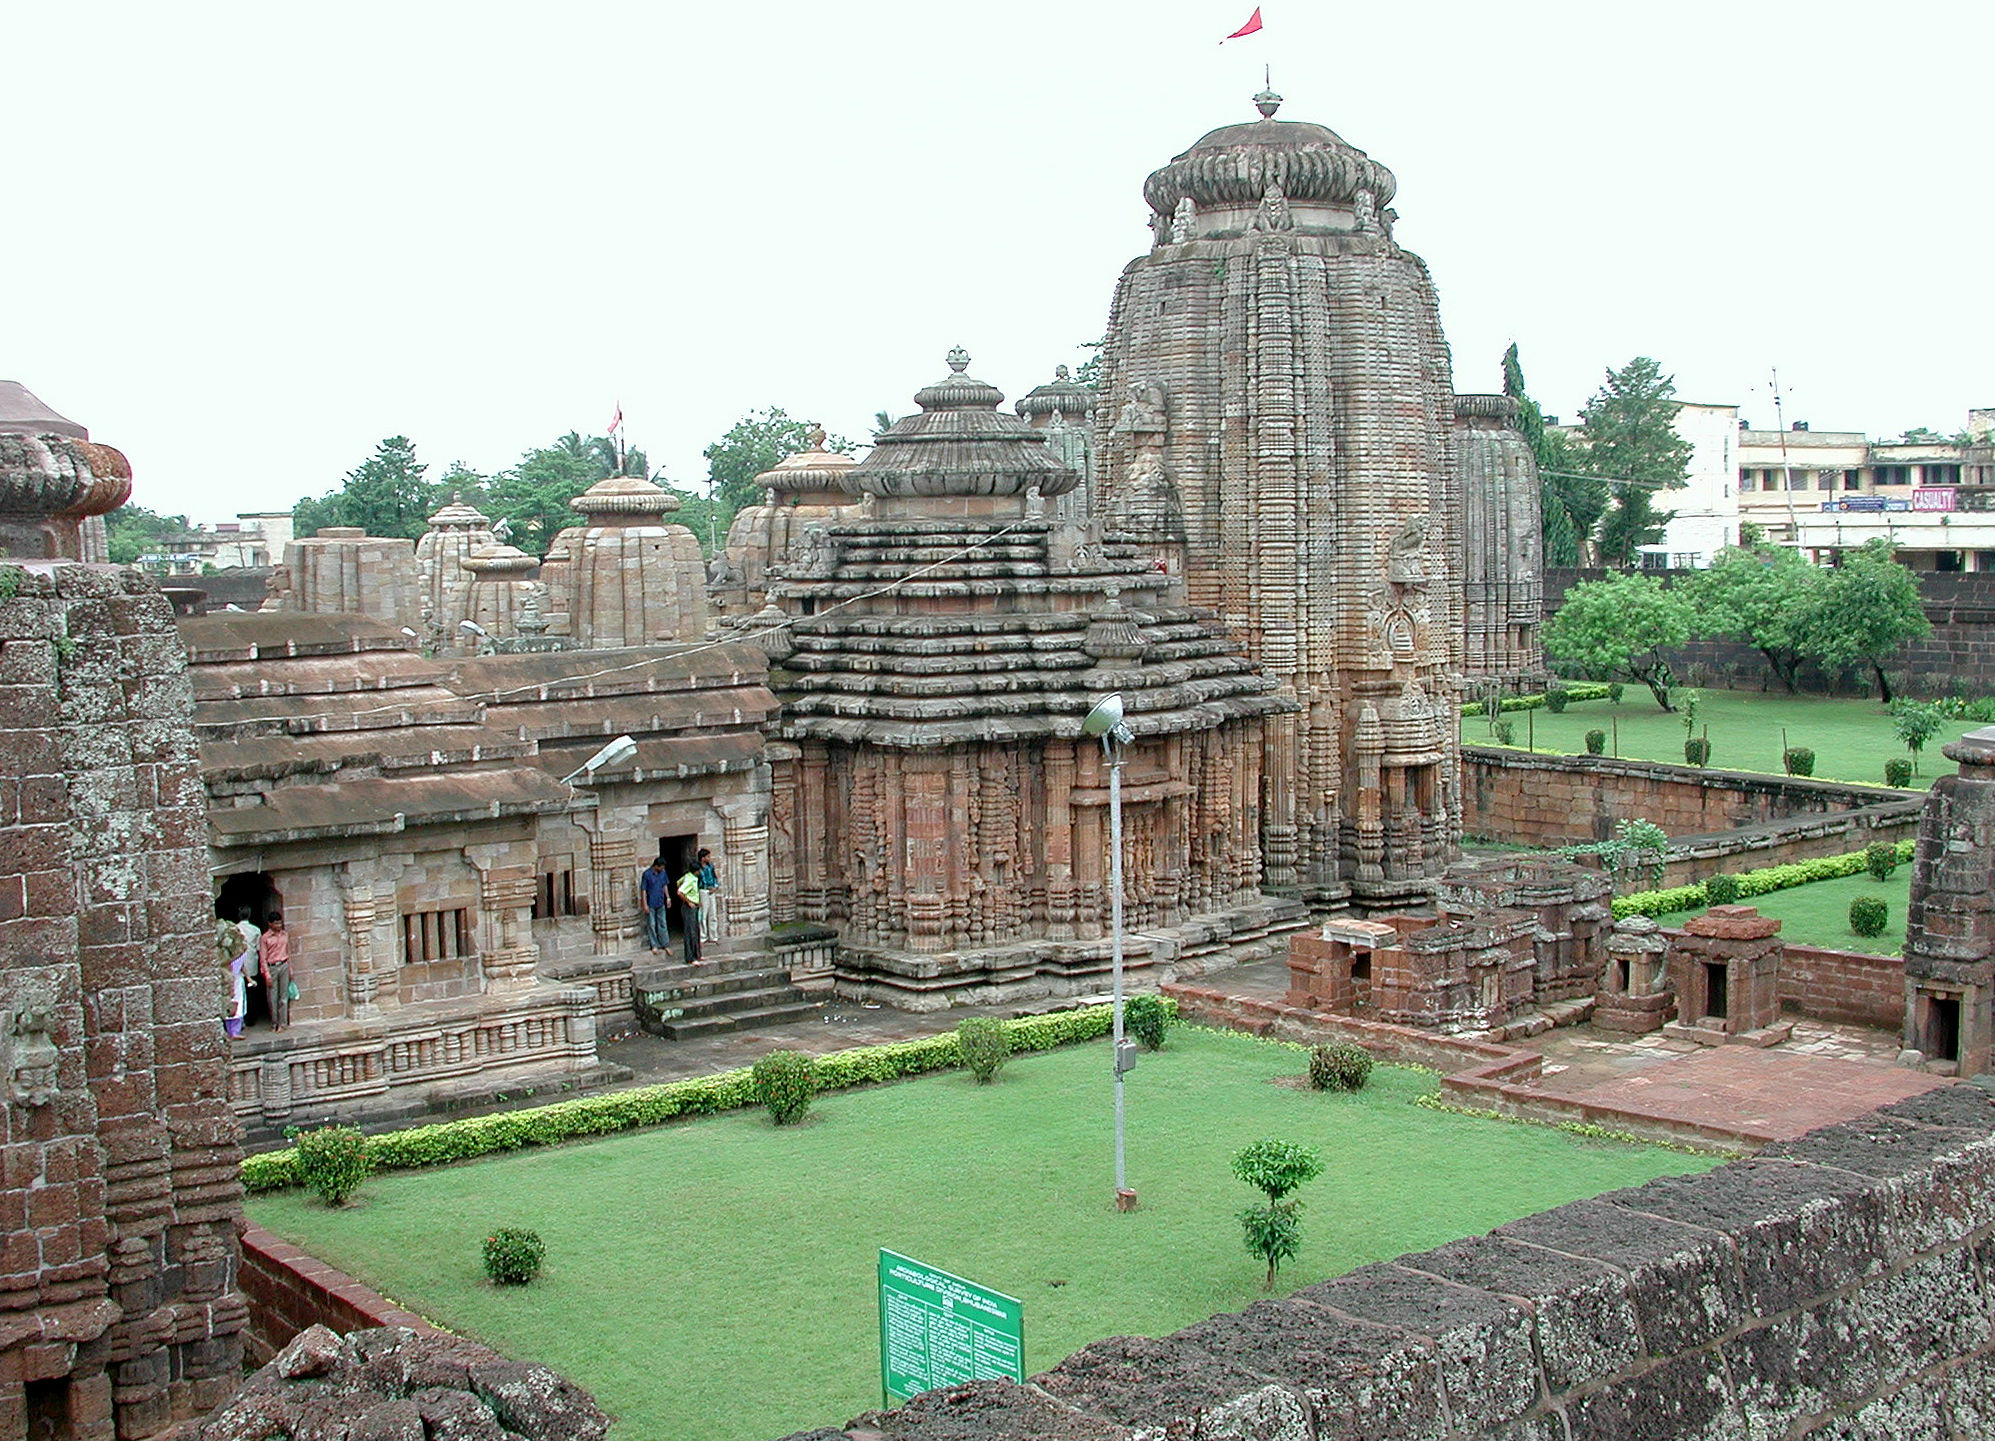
(654,887)
(233,953)
(709,898)
(275,958)
(689,912)
(252,941)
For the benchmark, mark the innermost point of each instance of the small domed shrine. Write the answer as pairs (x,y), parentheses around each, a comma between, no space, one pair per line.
(455,532)
(935,797)
(636,579)
(801,490)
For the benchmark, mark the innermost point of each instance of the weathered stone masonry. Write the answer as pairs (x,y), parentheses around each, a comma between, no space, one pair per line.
(1835,1286)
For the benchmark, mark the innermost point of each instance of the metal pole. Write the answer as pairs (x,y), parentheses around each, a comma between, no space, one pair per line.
(1115,914)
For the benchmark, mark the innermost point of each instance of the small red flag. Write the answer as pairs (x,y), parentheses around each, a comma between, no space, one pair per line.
(616,421)
(1253,24)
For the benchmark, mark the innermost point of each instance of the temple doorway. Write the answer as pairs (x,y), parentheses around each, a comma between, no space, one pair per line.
(678,853)
(253,894)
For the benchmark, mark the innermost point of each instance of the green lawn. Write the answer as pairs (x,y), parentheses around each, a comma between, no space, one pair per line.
(714,1280)
(1852,739)
(1818,914)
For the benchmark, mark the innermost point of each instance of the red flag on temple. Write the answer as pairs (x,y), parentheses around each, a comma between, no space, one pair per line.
(1253,24)
(616,421)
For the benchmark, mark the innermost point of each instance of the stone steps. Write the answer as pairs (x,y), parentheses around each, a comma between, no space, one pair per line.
(680,1002)
(717,1022)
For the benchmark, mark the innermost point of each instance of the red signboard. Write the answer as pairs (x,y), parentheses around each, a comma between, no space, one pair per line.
(1934,497)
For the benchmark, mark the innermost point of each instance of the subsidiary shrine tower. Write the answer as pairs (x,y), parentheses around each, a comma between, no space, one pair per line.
(1278,426)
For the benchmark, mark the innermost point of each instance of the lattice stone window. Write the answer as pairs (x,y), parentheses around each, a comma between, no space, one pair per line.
(436,936)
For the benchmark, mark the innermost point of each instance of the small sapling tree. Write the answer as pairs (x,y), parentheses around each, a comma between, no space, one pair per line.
(1275,1168)
(1916,722)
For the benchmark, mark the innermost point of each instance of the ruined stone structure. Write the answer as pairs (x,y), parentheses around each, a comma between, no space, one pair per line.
(632,578)
(502,594)
(456,532)
(1634,996)
(934,797)
(342,570)
(119,1191)
(1724,969)
(1511,934)
(1950,925)
(1281,398)
(1499,551)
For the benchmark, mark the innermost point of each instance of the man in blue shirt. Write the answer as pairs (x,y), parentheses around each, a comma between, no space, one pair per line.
(655,884)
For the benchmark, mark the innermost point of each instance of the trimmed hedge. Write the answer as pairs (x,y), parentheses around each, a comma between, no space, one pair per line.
(461,1140)
(1751,883)
(1578,690)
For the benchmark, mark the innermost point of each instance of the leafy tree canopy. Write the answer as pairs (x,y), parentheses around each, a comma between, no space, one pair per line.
(1869,607)
(1618,628)
(1570,502)
(1764,595)
(752,445)
(1629,439)
(135,531)
(384,495)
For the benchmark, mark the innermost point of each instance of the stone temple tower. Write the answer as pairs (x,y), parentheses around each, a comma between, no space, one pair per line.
(1276,421)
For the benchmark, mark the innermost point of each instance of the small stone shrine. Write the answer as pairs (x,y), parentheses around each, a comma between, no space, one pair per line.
(456,532)
(1725,971)
(342,570)
(1572,905)
(805,489)
(1498,545)
(119,1185)
(1634,995)
(633,577)
(1950,925)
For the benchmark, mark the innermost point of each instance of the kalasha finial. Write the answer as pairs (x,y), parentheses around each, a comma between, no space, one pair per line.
(816,437)
(959,360)
(1267,102)
(1060,372)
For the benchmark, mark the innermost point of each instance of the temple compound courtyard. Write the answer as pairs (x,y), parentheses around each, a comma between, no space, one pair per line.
(1294,551)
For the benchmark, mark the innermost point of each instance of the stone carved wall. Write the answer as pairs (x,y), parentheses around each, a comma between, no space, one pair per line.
(1950,925)
(345,571)
(1831,1287)
(118,1193)
(1499,548)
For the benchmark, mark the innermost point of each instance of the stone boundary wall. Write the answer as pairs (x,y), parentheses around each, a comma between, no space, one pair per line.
(1717,820)
(1834,1286)
(1844,986)
(290,1290)
(1959,653)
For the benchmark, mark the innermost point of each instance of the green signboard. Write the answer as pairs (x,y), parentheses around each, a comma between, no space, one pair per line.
(937,1329)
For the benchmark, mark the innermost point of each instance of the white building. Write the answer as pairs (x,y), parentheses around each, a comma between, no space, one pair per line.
(1706,509)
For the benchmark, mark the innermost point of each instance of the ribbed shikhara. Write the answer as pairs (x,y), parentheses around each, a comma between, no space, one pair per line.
(1280,360)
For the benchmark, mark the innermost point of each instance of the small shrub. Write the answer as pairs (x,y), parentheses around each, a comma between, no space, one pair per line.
(1596,743)
(1339,1067)
(1697,751)
(1880,858)
(985,1044)
(785,1082)
(332,1161)
(1506,732)
(1898,772)
(1869,915)
(1276,1167)
(1798,760)
(1721,889)
(1273,1233)
(1614,692)
(1146,1018)
(512,1256)
(1555,700)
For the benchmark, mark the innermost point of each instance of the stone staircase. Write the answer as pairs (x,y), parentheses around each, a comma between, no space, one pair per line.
(725,993)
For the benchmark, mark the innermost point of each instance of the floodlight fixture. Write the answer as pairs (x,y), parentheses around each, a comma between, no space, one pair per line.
(472,626)
(614,754)
(1105,721)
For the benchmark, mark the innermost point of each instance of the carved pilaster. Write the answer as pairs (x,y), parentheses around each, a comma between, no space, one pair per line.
(612,895)
(362,983)
(744,859)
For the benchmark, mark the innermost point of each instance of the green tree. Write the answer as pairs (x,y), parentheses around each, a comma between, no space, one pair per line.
(384,495)
(533,494)
(1275,1168)
(753,445)
(1619,628)
(1764,595)
(135,531)
(1570,503)
(1628,438)
(1916,722)
(1867,608)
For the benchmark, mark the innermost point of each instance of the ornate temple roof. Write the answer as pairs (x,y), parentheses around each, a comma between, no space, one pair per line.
(1235,164)
(1500,408)
(52,475)
(960,445)
(812,472)
(456,515)
(623,499)
(1062,395)
(499,560)
(22,413)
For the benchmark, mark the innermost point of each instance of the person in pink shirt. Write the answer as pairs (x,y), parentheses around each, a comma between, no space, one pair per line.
(274,960)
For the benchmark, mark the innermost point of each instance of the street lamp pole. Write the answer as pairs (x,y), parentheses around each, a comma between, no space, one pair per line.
(1105,721)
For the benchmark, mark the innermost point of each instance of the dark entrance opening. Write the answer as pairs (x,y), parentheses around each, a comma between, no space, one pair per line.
(48,1411)
(1943,1028)
(678,853)
(1715,999)
(254,895)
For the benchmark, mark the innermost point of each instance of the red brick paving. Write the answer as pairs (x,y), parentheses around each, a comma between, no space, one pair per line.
(1769,1092)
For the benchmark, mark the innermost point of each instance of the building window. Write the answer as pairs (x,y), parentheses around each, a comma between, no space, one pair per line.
(1892,475)
(1745,481)
(1797,480)
(436,936)
(1826,480)
(1942,475)
(555,896)
(1852,480)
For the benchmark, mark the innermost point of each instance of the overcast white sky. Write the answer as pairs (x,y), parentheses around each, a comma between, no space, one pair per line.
(248,241)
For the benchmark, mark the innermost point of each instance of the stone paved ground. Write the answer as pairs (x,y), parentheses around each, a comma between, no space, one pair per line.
(1823,1075)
